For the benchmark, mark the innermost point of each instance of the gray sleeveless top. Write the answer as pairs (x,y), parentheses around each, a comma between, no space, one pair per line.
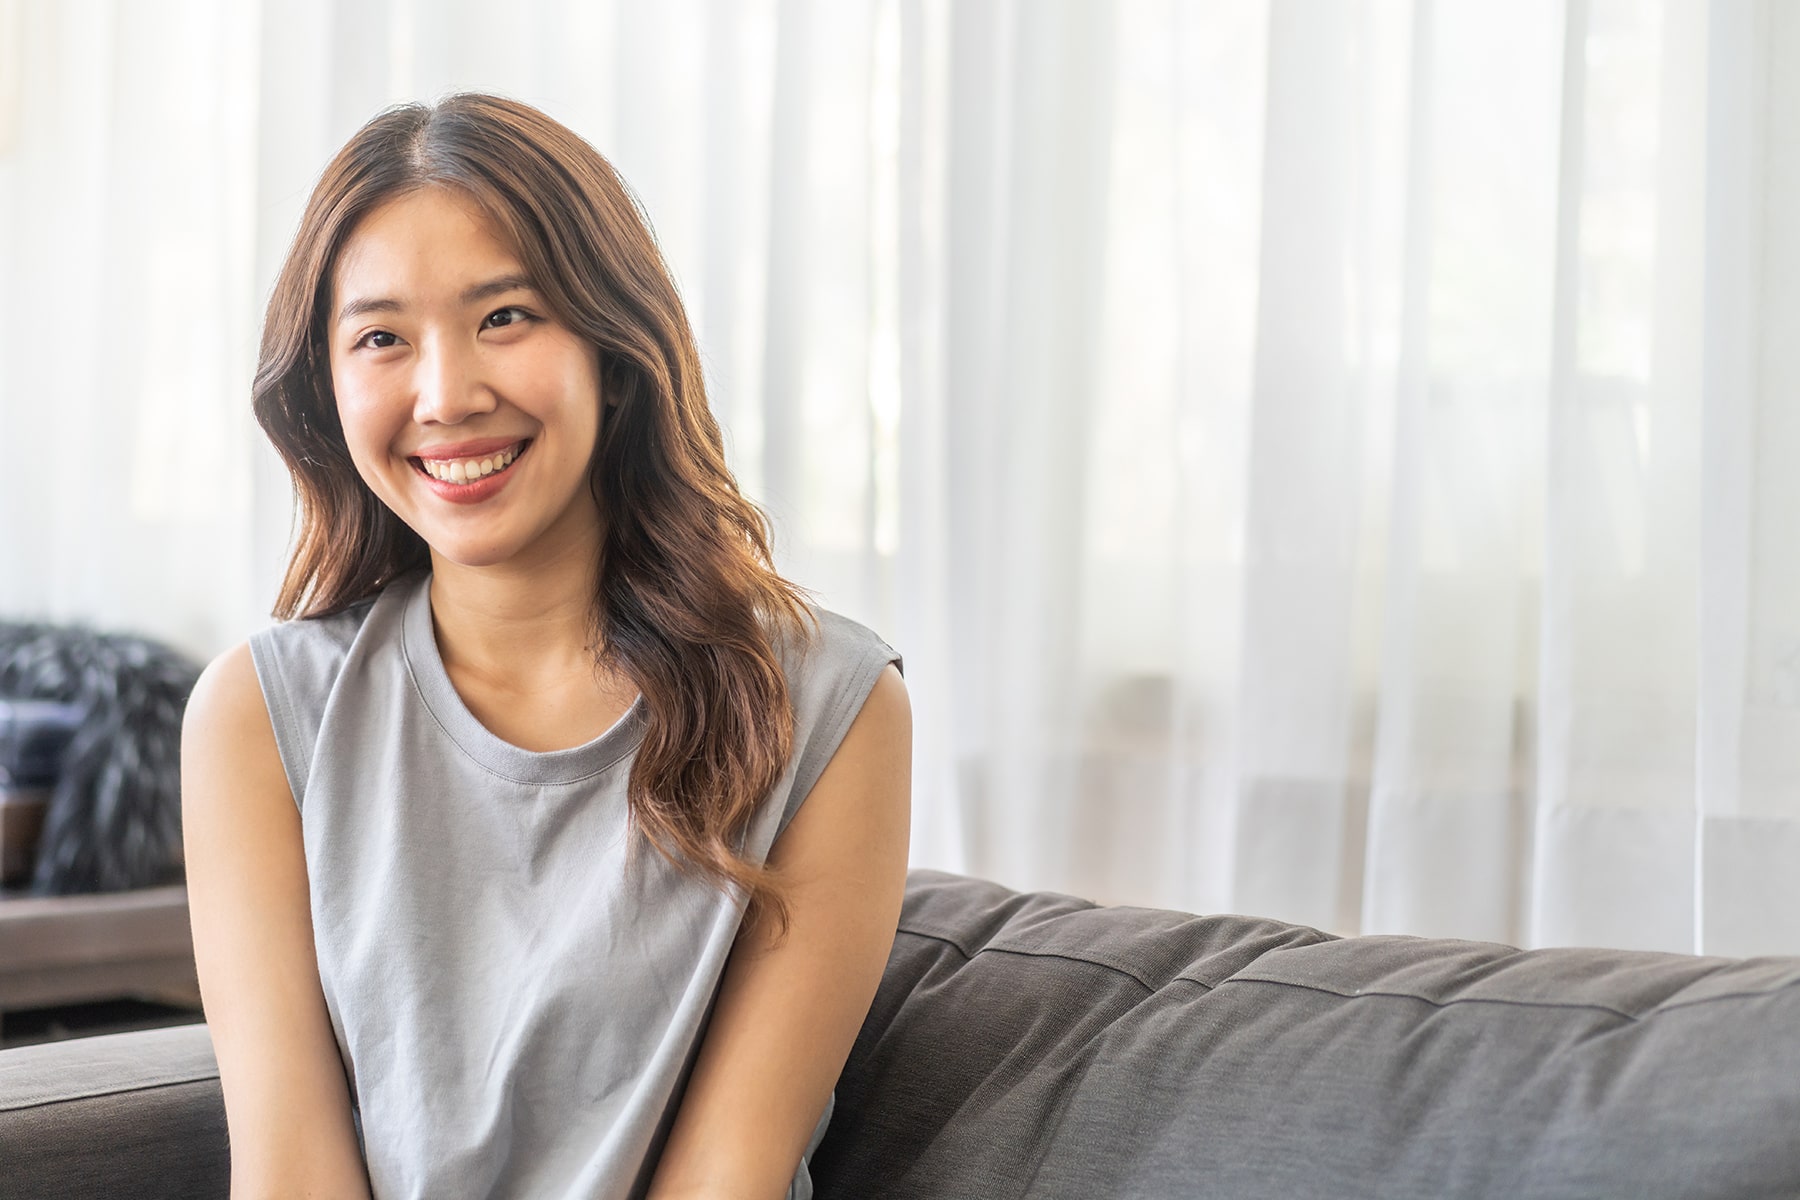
(516,1010)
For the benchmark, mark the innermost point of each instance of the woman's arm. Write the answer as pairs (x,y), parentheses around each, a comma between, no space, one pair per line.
(287,1106)
(788,1011)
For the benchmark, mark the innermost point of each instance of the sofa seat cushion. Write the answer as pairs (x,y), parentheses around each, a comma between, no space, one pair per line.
(1037,1045)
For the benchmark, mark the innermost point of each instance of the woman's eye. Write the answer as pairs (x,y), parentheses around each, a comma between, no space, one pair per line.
(379,339)
(501,318)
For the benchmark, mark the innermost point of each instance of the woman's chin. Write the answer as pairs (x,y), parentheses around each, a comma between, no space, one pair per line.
(449,554)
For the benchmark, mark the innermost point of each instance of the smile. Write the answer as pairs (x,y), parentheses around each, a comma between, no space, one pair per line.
(471,469)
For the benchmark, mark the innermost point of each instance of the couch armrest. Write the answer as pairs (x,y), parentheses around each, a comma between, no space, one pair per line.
(129,1115)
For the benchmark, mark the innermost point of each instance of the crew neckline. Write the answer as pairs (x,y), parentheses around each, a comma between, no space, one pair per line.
(426,666)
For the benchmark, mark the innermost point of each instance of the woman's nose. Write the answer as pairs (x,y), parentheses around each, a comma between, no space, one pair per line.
(449,387)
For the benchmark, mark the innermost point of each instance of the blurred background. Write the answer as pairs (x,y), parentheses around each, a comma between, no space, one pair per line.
(1330,459)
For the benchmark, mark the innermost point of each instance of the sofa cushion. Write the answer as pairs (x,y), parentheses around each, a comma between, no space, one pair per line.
(1036,1045)
(137,1116)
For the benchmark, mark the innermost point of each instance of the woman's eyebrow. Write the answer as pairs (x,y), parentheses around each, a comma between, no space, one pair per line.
(481,291)
(357,307)
(494,287)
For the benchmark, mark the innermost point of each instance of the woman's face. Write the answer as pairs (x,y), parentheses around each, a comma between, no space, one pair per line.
(467,409)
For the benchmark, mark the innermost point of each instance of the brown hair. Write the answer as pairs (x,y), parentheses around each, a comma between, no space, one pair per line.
(689,605)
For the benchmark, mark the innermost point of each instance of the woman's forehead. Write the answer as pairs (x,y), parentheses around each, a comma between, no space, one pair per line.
(429,243)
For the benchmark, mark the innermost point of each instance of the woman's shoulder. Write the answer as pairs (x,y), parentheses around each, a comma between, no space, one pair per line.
(831,666)
(301,664)
(337,628)
(834,635)
(829,647)
(309,652)
(225,727)
(226,693)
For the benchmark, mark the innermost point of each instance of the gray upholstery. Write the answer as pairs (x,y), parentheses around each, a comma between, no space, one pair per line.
(137,1116)
(1035,1045)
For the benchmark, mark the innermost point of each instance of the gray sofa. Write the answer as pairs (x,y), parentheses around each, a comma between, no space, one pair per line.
(1034,1045)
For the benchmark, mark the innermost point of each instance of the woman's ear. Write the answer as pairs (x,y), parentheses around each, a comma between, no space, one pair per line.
(612,383)
(609,386)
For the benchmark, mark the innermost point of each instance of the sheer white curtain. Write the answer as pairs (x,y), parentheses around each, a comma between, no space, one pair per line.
(1333,461)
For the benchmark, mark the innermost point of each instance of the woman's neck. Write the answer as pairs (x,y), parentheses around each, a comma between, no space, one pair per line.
(527,624)
(518,648)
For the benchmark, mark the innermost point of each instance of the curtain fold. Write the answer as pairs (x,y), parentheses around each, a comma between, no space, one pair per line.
(1329,461)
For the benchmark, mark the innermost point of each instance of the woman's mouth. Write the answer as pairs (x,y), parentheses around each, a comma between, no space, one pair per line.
(472,468)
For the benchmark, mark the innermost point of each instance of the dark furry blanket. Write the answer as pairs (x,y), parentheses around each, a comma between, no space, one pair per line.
(114,820)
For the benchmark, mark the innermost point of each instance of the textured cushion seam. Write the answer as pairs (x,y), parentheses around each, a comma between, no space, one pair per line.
(101,1093)
(1343,995)
(1747,994)
(1509,1001)
(1105,966)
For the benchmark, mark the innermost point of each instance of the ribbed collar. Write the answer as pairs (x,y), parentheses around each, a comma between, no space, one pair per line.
(426,665)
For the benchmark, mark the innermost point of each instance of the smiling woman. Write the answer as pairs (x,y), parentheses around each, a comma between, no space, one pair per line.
(441,362)
(532,630)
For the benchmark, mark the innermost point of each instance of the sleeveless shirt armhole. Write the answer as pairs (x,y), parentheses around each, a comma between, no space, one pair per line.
(858,680)
(295,748)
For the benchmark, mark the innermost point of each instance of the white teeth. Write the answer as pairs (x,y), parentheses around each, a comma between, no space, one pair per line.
(467,470)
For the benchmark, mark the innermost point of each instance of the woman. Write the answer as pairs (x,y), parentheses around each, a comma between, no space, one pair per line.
(535,633)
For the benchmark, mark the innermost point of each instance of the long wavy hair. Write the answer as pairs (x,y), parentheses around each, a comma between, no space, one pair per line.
(689,605)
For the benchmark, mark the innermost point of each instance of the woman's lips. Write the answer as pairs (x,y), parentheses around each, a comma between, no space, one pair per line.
(479,488)
(475,448)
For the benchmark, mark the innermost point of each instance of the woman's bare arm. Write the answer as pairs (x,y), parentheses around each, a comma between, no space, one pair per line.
(287,1105)
(788,1011)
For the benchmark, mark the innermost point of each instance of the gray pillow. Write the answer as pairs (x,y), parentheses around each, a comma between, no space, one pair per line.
(1036,1045)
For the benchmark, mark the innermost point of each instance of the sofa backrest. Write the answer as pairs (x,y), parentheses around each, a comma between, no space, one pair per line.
(1033,1045)
(1037,1046)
